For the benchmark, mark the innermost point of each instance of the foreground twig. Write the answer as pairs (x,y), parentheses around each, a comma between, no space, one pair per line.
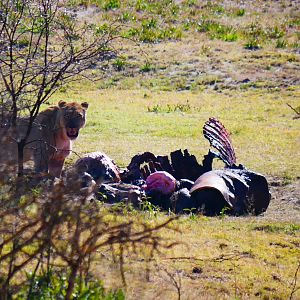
(295,110)
(294,284)
(223,257)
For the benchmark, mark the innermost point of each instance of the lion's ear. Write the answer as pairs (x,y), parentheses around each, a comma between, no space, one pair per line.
(85,105)
(62,103)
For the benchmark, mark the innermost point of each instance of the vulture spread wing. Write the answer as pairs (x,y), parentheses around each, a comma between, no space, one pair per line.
(219,138)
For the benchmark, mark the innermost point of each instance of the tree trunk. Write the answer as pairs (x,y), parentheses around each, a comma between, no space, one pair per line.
(21,146)
(71,282)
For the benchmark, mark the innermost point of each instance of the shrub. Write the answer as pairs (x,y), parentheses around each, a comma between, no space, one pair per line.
(215,8)
(231,37)
(147,67)
(119,64)
(217,31)
(53,285)
(131,32)
(275,33)
(57,224)
(281,43)
(171,33)
(240,12)
(253,44)
(126,17)
(254,31)
(111,4)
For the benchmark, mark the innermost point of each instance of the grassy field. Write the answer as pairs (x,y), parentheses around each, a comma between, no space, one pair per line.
(123,123)
(159,91)
(239,63)
(191,60)
(221,257)
(217,258)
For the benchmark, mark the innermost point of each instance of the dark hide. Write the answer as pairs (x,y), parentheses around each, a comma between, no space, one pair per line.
(100,167)
(182,165)
(234,190)
(241,191)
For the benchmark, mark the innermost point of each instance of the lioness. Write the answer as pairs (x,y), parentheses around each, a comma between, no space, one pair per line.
(50,139)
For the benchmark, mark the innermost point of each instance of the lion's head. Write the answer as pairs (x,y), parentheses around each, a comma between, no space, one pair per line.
(72,117)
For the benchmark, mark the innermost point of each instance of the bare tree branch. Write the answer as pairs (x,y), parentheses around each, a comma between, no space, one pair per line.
(42,48)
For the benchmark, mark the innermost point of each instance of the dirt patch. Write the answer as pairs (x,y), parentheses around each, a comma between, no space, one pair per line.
(285,201)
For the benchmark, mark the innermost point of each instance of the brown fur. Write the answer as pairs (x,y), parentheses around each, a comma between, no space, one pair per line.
(50,140)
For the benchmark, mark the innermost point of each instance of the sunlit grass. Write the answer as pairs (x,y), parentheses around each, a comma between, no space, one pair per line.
(153,102)
(263,131)
(223,257)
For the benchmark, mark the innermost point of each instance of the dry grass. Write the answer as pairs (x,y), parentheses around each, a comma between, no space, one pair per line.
(227,258)
(231,258)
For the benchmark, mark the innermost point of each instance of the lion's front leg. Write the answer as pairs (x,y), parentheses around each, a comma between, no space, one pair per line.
(55,167)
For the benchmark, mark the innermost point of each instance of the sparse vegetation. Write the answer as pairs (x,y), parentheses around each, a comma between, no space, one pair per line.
(147,67)
(253,44)
(181,63)
(281,43)
(185,107)
(53,286)
(119,63)
(275,228)
(240,12)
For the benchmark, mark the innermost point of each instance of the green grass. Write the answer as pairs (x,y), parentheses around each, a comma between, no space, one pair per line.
(191,64)
(225,258)
(156,21)
(123,123)
(237,257)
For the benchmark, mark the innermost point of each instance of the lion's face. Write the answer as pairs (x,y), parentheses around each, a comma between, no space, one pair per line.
(72,117)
